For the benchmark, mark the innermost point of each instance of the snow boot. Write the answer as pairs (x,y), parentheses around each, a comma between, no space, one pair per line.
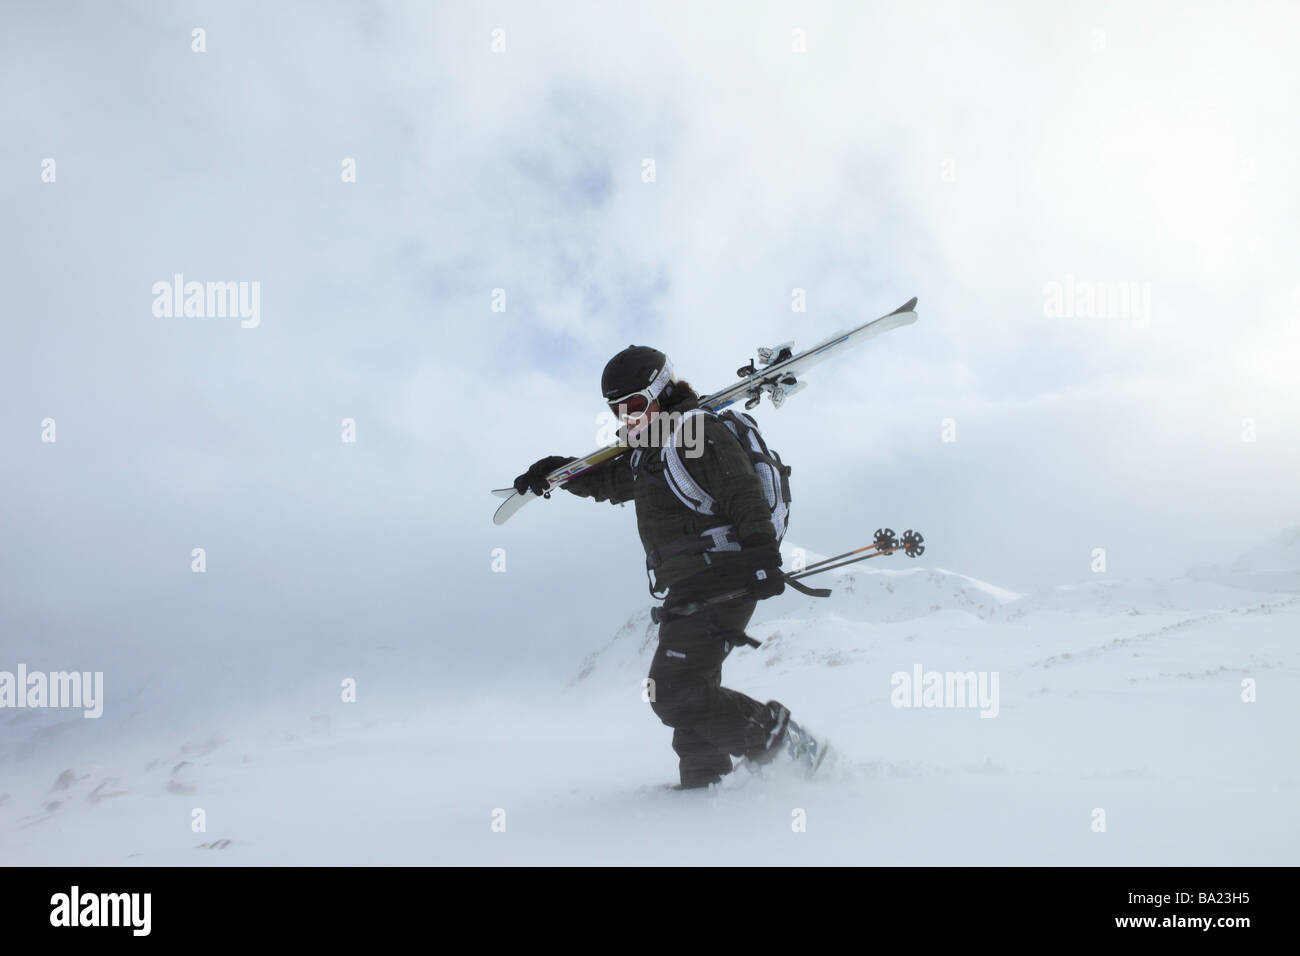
(777,737)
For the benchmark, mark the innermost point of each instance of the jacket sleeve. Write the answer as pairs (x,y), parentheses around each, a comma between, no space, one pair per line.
(727,474)
(609,481)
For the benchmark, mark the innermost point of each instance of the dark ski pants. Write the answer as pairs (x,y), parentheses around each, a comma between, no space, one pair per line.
(710,722)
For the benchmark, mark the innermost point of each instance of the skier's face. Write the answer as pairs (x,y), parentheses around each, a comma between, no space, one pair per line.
(632,418)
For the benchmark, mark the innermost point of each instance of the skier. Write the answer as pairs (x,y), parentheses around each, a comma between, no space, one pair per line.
(694,556)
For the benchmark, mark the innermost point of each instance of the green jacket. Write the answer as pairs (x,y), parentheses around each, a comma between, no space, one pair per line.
(724,470)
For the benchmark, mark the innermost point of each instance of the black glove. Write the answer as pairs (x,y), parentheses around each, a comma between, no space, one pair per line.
(763,564)
(534,479)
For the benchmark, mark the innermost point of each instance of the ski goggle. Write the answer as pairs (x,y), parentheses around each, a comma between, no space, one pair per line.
(634,405)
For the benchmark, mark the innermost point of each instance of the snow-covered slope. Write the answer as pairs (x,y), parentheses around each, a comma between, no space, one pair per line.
(1108,697)
(1273,566)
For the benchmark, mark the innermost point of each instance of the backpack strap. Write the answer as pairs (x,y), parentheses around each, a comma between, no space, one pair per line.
(680,481)
(721,538)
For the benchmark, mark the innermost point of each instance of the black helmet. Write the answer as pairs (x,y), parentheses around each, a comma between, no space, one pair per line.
(638,368)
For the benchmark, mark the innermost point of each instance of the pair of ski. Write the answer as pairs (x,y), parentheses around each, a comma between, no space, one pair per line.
(778,378)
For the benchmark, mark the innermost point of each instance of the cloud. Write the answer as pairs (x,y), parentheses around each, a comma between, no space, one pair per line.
(968,156)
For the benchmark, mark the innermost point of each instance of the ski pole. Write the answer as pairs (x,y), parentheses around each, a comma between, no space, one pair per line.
(884,539)
(912,544)
(832,567)
(827,565)
(658,614)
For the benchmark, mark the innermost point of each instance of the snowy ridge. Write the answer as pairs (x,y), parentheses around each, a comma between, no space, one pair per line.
(1273,566)
(833,630)
(1282,553)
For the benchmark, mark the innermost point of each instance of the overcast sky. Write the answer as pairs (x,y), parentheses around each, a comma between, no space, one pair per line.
(973,155)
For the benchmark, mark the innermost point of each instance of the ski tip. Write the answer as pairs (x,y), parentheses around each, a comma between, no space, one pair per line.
(506,509)
(823,748)
(907,306)
(503,492)
(511,505)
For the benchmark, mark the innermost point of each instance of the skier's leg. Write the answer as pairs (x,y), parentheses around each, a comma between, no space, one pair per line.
(737,722)
(687,675)
(700,762)
(680,676)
